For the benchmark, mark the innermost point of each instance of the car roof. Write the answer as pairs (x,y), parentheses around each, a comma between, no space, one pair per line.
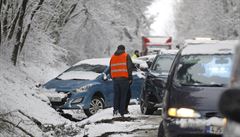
(104,61)
(94,61)
(170,51)
(146,57)
(219,47)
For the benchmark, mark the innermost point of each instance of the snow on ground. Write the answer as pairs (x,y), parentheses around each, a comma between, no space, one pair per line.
(31,113)
(19,95)
(21,104)
(25,110)
(104,123)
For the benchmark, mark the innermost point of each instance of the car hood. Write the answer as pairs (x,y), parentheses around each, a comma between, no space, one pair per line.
(198,98)
(65,85)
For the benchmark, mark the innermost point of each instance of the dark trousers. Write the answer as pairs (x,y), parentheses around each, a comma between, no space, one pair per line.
(129,94)
(121,87)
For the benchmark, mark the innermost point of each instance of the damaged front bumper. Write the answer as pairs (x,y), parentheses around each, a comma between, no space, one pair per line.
(61,101)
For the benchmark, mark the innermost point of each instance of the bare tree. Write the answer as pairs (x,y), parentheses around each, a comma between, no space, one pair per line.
(24,35)
(19,31)
(1,22)
(218,19)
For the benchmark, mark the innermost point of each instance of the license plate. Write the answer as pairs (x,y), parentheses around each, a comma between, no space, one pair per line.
(214,130)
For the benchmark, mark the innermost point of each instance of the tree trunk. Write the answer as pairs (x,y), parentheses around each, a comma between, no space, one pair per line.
(19,32)
(0,22)
(67,16)
(13,25)
(24,36)
(5,20)
(48,24)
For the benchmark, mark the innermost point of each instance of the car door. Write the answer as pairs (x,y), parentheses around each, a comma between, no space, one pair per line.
(107,88)
(155,84)
(138,79)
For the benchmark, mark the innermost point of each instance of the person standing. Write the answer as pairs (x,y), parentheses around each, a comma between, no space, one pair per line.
(121,67)
(136,54)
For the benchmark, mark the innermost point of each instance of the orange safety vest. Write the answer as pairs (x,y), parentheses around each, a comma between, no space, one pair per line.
(118,66)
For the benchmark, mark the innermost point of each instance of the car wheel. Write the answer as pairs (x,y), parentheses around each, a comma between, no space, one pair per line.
(96,104)
(161,130)
(145,110)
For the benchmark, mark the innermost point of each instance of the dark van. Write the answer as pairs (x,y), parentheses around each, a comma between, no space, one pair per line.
(197,78)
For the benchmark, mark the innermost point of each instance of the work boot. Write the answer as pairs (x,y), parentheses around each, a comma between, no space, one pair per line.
(115,112)
(127,112)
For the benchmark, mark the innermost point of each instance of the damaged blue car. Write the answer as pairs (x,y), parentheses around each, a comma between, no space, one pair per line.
(88,86)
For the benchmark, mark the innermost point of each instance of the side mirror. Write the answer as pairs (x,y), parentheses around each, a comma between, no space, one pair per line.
(104,76)
(229,104)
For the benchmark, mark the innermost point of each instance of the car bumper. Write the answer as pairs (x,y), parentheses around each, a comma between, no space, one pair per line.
(193,127)
(66,101)
(69,104)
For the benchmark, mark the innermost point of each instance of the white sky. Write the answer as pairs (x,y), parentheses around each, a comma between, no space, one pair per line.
(162,10)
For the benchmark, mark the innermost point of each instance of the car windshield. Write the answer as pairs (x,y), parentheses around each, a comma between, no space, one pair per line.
(88,67)
(204,70)
(82,72)
(162,64)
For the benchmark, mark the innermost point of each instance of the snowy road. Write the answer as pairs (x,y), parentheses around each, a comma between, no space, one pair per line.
(103,124)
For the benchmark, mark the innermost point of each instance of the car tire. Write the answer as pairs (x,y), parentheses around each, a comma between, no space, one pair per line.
(145,109)
(96,104)
(161,130)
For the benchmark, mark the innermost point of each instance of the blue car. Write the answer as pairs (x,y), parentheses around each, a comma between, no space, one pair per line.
(88,86)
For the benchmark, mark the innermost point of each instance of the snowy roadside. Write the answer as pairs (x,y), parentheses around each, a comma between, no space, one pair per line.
(21,106)
(24,111)
(104,124)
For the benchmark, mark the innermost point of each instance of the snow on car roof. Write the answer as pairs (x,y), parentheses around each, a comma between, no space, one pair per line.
(140,62)
(147,57)
(170,51)
(95,61)
(220,47)
(103,61)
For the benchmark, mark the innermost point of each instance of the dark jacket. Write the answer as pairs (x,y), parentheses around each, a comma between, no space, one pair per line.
(130,65)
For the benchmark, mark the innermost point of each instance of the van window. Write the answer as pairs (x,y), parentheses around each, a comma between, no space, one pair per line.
(204,70)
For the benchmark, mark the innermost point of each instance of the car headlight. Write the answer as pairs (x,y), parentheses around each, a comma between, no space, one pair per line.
(77,101)
(84,88)
(183,113)
(225,121)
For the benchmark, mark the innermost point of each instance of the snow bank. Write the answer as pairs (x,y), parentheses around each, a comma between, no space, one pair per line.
(20,96)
